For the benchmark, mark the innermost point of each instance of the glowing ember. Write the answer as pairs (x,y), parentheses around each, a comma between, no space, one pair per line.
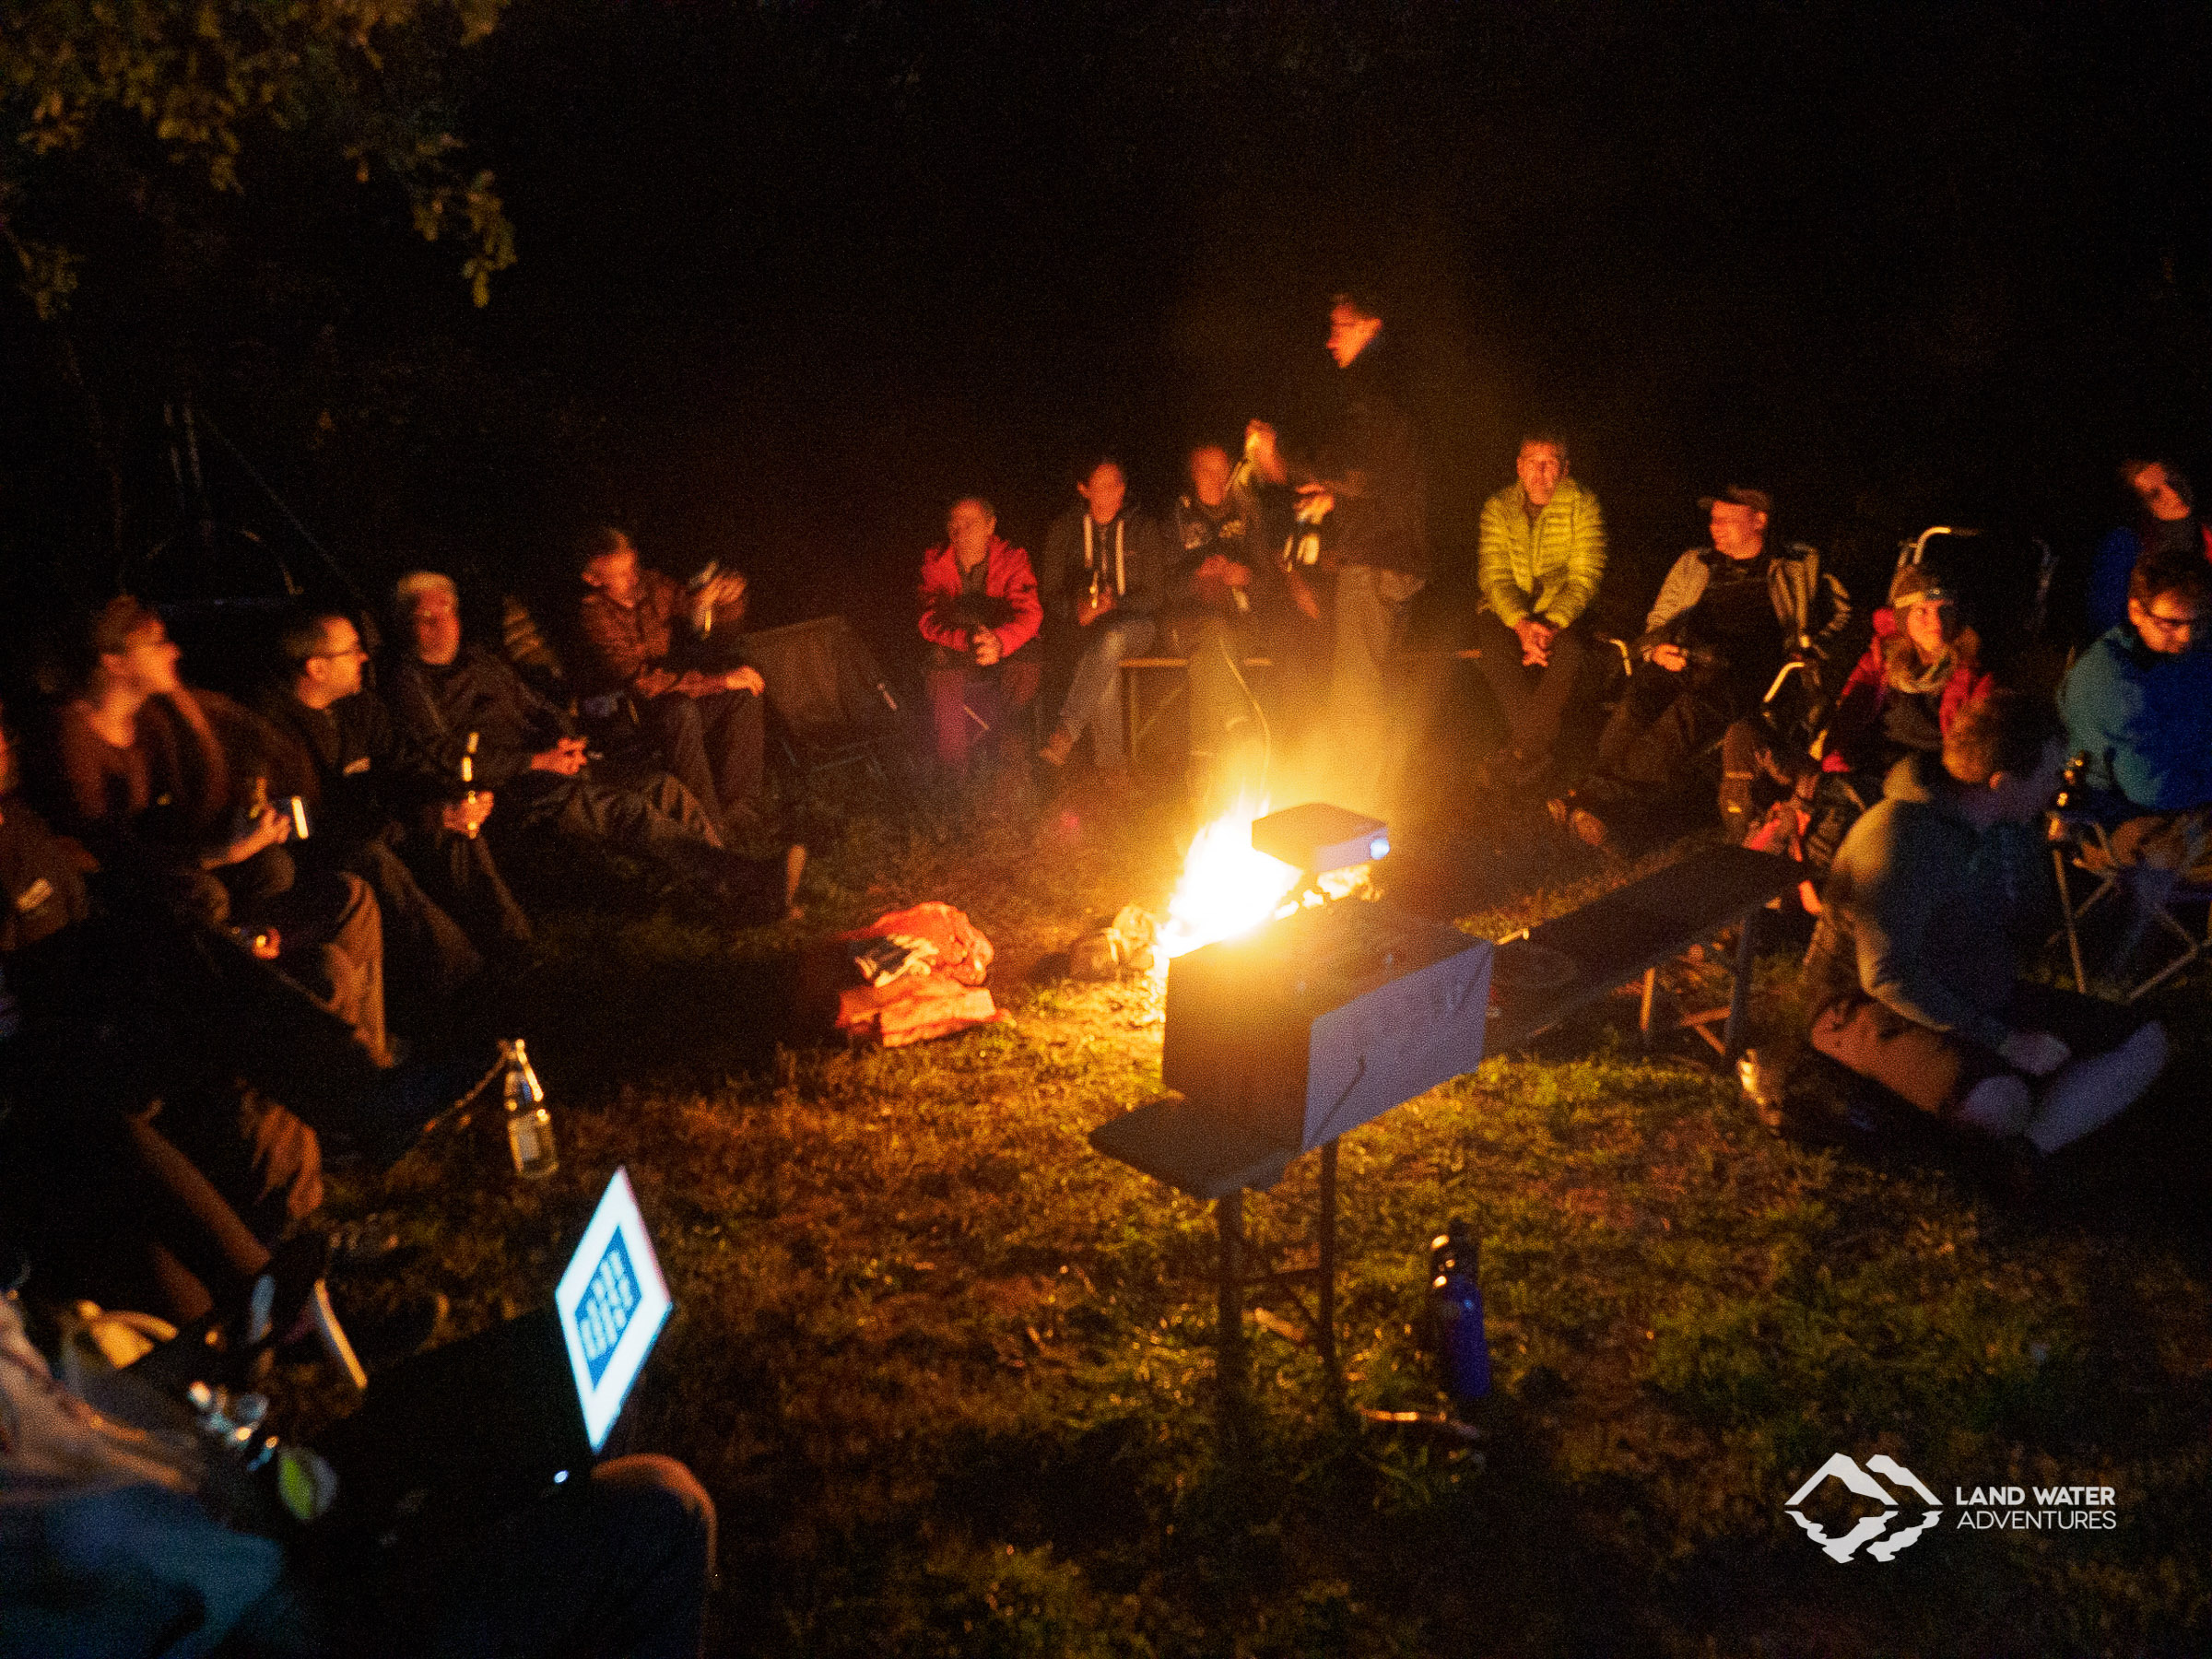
(1226,889)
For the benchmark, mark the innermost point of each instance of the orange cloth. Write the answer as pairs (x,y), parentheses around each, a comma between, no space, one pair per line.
(918,1006)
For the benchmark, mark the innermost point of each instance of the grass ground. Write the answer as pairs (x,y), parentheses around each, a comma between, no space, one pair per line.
(948,1372)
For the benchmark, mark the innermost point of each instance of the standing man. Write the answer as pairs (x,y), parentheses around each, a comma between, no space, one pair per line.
(705,725)
(1369,487)
(1541,555)
(1728,617)
(1105,568)
(979,614)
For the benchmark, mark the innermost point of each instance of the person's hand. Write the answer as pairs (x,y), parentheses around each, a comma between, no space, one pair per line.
(1672,658)
(2039,1054)
(466,817)
(1260,449)
(1220,568)
(745,679)
(1315,501)
(654,682)
(985,648)
(565,759)
(1088,610)
(269,827)
(1536,642)
(728,589)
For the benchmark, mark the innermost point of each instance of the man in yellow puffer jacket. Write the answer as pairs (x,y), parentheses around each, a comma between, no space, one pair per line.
(1541,555)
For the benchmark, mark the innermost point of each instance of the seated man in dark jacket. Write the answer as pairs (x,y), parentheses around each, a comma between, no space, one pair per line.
(643,637)
(1728,619)
(105,1025)
(1104,567)
(1911,974)
(379,809)
(454,702)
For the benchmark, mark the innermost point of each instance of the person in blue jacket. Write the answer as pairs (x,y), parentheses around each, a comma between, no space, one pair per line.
(2138,712)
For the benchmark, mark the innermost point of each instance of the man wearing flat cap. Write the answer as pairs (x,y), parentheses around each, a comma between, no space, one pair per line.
(1728,617)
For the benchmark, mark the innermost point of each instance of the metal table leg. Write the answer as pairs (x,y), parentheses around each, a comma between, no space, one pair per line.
(1739,994)
(1229,1339)
(1325,1342)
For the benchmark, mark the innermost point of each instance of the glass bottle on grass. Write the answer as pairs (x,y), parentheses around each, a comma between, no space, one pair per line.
(1455,1304)
(529,1124)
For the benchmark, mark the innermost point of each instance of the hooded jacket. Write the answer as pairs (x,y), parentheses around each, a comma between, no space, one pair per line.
(1129,555)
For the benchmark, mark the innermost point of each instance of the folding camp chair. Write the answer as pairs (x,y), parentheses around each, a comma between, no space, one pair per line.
(2082,842)
(831,706)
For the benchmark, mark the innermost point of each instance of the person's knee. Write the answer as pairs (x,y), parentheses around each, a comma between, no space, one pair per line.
(663,1499)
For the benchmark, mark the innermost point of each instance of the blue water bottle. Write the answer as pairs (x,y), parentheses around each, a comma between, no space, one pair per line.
(1455,1305)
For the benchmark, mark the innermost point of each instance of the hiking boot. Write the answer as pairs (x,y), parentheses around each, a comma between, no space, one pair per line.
(1057,747)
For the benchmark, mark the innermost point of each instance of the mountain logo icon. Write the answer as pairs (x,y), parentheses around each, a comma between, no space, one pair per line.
(1872,1532)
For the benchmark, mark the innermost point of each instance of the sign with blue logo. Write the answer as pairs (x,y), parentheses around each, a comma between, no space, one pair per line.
(609,1299)
(612,1302)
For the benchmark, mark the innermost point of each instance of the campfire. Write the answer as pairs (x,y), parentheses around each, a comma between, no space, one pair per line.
(1228,887)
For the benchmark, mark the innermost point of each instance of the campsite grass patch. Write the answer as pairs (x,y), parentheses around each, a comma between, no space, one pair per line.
(950,1373)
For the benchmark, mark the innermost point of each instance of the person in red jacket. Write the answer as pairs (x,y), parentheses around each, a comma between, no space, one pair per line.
(979,614)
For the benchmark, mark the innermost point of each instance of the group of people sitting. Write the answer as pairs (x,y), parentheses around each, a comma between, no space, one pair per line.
(244,933)
(1904,789)
(1308,558)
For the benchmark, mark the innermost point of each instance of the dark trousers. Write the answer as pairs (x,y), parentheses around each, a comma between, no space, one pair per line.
(1533,701)
(658,820)
(463,877)
(426,949)
(1650,753)
(712,746)
(997,695)
(118,1212)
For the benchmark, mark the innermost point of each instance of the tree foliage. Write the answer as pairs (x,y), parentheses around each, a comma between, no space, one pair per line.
(202,80)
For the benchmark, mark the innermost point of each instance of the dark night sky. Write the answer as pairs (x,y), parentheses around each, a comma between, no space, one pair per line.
(793,275)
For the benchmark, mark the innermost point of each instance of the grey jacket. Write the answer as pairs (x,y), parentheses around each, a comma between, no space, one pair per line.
(1809,603)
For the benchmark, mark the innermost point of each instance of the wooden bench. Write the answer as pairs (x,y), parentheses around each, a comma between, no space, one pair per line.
(1632,931)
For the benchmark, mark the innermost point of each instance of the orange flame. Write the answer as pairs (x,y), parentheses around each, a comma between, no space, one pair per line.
(1226,888)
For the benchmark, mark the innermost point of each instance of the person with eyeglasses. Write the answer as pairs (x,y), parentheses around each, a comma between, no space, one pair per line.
(2165,522)
(381,809)
(2139,708)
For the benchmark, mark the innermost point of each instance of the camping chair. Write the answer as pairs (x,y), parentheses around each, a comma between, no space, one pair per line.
(832,708)
(2081,841)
